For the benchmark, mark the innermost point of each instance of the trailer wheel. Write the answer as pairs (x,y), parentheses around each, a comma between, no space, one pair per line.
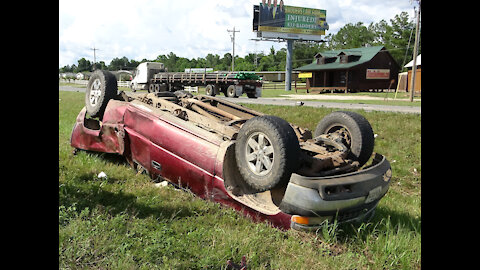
(101,87)
(210,90)
(353,130)
(151,88)
(267,152)
(231,91)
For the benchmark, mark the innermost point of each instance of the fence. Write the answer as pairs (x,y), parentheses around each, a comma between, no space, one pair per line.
(82,82)
(123,84)
(191,89)
(85,82)
(281,86)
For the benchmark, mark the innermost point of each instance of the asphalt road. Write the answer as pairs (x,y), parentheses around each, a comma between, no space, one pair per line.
(316,104)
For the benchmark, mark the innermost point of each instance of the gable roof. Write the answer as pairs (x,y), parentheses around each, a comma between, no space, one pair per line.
(366,54)
(419,62)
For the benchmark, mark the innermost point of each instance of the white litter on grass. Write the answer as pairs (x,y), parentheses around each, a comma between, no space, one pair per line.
(375,135)
(162,184)
(102,175)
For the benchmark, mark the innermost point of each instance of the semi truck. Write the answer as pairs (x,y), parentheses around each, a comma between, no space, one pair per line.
(154,77)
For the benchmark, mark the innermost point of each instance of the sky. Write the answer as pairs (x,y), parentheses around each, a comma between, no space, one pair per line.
(145,29)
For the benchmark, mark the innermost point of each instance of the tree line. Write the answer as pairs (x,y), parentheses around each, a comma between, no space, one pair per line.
(397,36)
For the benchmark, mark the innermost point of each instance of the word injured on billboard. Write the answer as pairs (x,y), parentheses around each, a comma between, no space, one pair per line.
(277,17)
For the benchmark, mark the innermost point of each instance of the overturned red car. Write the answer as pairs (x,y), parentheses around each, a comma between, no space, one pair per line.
(261,165)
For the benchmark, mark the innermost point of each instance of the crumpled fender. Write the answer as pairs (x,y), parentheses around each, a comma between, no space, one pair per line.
(106,136)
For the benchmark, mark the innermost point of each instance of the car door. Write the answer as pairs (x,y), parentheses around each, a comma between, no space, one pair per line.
(180,153)
(172,148)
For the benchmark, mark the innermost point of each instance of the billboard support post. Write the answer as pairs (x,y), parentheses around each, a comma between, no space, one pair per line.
(288,67)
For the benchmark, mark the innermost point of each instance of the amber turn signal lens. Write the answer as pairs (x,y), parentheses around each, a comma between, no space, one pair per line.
(300,219)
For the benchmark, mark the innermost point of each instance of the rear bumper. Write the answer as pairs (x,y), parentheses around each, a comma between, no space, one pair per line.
(317,223)
(347,197)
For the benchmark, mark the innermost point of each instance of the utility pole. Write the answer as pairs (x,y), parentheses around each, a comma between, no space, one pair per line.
(94,56)
(415,51)
(233,41)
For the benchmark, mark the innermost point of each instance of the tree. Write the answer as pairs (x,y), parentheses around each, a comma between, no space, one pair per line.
(118,63)
(227,61)
(266,64)
(352,36)
(83,65)
(304,53)
(401,29)
(243,65)
(212,60)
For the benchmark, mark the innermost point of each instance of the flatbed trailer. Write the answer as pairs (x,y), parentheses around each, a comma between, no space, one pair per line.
(228,83)
(153,77)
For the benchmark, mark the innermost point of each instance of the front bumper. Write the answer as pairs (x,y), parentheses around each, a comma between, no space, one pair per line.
(346,198)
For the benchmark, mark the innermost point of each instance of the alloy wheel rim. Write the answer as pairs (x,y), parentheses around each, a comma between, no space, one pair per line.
(95,92)
(259,154)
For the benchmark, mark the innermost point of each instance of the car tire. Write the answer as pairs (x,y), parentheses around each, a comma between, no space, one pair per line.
(101,87)
(266,152)
(356,131)
(231,91)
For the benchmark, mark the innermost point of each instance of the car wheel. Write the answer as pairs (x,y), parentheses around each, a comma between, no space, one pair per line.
(231,91)
(101,87)
(353,130)
(266,152)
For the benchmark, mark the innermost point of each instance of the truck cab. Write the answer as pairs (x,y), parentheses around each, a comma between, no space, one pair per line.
(144,73)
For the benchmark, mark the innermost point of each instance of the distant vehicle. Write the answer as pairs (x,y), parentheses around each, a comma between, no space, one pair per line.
(258,164)
(153,77)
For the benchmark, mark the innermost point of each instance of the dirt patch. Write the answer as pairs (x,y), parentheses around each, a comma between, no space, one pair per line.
(332,97)
(340,97)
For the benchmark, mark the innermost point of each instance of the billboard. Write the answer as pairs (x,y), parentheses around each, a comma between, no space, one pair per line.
(290,21)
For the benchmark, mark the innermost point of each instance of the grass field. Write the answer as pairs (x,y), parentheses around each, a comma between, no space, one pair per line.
(126,222)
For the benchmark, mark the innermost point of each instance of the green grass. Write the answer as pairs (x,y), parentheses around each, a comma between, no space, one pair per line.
(126,222)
